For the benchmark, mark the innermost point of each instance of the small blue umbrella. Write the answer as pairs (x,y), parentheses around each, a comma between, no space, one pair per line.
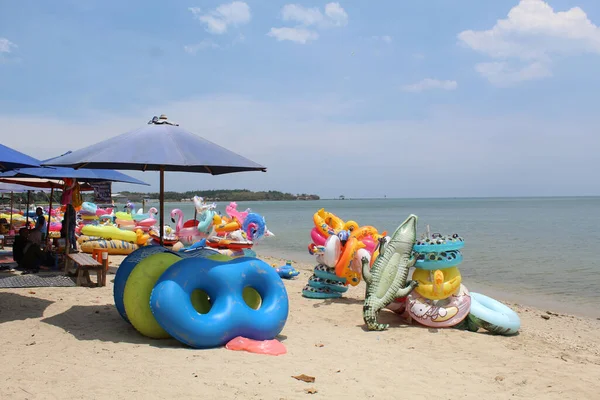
(160,146)
(10,159)
(83,174)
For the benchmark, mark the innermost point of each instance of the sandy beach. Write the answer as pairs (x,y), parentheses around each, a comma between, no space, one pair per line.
(71,343)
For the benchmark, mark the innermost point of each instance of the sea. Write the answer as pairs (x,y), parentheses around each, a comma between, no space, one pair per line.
(540,252)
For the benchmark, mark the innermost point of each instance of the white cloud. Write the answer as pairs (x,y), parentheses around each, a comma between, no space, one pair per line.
(298,35)
(204,44)
(334,16)
(526,42)
(6,45)
(429,84)
(218,20)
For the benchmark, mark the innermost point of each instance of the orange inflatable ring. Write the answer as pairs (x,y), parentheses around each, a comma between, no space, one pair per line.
(343,266)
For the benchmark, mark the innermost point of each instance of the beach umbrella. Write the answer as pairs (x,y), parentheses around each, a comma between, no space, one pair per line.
(83,174)
(161,146)
(10,159)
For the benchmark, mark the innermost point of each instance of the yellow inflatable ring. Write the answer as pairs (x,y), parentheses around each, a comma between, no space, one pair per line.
(136,297)
(327,223)
(365,231)
(445,282)
(350,226)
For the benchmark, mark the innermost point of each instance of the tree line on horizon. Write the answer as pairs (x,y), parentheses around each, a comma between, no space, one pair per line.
(222,195)
(209,195)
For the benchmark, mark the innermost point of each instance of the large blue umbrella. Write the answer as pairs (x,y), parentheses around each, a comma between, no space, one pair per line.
(160,146)
(10,159)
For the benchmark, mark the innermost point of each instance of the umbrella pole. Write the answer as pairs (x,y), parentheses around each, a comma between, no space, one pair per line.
(27,217)
(162,203)
(49,213)
(11,211)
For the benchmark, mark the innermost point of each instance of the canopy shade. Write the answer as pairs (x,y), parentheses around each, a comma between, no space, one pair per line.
(10,159)
(84,174)
(159,145)
(42,183)
(14,188)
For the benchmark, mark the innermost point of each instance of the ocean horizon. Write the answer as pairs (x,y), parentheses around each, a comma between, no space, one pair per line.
(538,251)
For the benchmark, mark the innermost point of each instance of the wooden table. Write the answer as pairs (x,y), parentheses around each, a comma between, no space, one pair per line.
(85,264)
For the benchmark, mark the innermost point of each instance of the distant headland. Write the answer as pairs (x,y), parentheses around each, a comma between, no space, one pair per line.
(217,195)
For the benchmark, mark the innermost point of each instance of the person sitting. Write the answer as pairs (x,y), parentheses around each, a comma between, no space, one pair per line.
(19,245)
(33,255)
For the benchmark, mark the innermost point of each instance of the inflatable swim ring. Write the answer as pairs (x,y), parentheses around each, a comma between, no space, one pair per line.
(343,266)
(230,315)
(125,268)
(332,252)
(317,238)
(324,272)
(136,296)
(438,243)
(441,313)
(327,223)
(222,243)
(115,247)
(334,286)
(443,259)
(109,232)
(438,284)
(493,316)
(314,293)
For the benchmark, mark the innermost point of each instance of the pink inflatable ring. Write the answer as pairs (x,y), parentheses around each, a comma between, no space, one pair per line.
(441,313)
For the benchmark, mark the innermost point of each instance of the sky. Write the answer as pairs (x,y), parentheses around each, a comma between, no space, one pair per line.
(466,98)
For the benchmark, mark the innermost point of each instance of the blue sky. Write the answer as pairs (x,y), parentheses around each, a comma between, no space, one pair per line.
(406,99)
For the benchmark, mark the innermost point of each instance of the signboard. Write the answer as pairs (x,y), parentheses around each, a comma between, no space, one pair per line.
(102,192)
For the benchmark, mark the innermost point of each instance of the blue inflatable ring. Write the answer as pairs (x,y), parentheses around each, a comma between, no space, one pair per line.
(124,270)
(229,315)
(493,316)
(441,260)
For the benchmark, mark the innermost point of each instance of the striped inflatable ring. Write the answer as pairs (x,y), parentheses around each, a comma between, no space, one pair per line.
(319,283)
(324,272)
(313,293)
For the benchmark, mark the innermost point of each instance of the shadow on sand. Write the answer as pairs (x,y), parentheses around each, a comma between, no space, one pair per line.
(16,307)
(103,322)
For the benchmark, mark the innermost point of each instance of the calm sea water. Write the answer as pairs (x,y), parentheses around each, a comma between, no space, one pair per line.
(539,251)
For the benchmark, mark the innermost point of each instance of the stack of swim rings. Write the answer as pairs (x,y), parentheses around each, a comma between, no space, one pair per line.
(441,300)
(324,284)
(201,298)
(339,247)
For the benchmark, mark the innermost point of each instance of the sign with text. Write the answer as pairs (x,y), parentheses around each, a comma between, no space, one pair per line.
(102,192)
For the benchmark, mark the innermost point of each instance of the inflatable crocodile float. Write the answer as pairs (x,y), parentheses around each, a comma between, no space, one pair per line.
(386,280)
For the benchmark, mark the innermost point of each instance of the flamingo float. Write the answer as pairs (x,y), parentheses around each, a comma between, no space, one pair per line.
(188,235)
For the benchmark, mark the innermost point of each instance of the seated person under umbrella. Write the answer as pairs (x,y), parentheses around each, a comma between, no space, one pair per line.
(19,245)
(33,255)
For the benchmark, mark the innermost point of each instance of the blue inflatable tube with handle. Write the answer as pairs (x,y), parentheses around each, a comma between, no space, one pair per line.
(229,315)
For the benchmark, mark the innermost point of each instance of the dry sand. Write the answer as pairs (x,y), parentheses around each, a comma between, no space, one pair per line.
(60,343)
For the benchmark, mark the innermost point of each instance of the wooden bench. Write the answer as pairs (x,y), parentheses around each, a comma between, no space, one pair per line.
(85,264)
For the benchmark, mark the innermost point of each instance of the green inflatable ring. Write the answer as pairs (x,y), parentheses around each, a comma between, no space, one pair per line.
(138,289)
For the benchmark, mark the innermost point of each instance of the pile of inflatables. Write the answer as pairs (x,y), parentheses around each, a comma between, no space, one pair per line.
(201,298)
(123,232)
(339,247)
(434,296)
